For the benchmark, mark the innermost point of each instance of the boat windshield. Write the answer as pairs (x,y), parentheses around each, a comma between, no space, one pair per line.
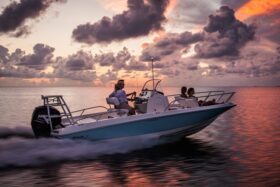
(151,84)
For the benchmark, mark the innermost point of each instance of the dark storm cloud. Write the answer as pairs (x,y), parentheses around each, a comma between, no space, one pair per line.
(225,35)
(141,18)
(169,44)
(15,14)
(40,59)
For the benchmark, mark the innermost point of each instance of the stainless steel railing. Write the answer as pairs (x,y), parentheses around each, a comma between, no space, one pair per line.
(204,97)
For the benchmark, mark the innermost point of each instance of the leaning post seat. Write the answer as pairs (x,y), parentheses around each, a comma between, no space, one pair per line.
(112,101)
(115,101)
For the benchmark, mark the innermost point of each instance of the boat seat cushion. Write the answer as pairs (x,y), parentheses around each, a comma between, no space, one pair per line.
(113,101)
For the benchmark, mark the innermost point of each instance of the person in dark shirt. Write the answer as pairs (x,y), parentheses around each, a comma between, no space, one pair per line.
(183,92)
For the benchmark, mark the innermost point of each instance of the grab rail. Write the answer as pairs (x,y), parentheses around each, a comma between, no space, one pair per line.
(221,95)
(84,109)
(206,97)
(97,115)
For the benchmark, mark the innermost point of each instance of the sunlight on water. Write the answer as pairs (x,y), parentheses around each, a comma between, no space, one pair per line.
(241,148)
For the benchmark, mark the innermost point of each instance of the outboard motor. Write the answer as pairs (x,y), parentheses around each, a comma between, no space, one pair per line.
(40,122)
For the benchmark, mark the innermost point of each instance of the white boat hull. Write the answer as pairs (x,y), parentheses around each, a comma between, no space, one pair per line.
(173,123)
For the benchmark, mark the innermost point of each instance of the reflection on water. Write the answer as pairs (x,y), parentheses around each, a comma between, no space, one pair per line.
(182,163)
(241,148)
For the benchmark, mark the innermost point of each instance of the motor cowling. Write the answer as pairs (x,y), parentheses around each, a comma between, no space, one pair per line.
(40,122)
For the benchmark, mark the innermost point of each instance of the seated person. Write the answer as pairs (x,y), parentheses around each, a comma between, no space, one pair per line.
(191,93)
(117,87)
(122,97)
(183,92)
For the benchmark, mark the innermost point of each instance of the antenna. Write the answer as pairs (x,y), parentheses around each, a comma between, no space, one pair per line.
(153,73)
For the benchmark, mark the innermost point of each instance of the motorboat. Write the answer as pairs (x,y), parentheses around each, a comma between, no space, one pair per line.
(157,114)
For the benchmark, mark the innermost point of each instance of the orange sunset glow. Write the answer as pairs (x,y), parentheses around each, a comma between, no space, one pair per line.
(257,7)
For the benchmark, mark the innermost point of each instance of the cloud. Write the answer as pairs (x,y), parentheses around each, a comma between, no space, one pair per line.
(19,72)
(234,4)
(40,59)
(226,45)
(78,66)
(116,61)
(192,65)
(192,13)
(76,62)
(108,76)
(15,15)
(266,17)
(106,59)
(268,25)
(12,59)
(19,65)
(141,18)
(169,44)
(225,35)
(4,54)
(135,65)
(253,62)
(169,72)
(85,76)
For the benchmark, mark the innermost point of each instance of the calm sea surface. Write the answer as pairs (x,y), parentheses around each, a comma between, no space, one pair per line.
(241,148)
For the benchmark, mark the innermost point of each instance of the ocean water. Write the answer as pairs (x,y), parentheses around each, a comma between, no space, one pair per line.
(241,148)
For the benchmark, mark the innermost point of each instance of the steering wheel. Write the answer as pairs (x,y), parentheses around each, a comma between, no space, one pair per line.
(132,96)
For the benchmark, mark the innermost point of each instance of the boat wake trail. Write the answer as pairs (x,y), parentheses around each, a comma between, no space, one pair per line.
(27,152)
(20,131)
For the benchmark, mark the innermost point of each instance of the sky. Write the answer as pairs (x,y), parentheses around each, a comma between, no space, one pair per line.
(96,42)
